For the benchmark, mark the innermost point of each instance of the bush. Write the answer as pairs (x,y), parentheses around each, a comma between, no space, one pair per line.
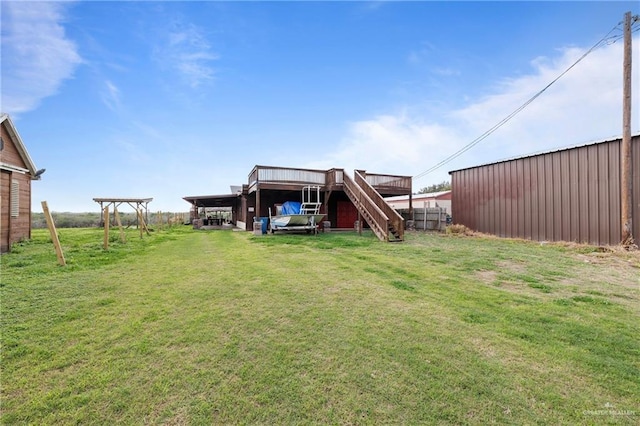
(459,230)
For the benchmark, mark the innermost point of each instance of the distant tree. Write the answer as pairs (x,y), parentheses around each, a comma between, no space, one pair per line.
(437,187)
(88,220)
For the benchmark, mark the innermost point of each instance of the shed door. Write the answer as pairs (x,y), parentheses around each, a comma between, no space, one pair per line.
(347,214)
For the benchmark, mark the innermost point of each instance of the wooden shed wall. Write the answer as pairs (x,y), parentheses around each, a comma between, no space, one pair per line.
(10,154)
(5,191)
(568,195)
(13,229)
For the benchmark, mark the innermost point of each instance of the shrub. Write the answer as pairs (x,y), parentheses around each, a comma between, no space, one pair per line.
(459,230)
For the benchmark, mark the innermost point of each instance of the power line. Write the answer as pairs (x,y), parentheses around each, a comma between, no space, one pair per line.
(606,40)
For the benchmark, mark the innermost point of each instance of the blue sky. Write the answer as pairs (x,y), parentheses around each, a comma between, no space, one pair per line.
(170,99)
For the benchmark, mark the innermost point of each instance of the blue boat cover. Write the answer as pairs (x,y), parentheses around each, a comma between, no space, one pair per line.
(291,207)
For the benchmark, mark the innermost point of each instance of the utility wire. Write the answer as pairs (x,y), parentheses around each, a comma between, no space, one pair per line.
(606,40)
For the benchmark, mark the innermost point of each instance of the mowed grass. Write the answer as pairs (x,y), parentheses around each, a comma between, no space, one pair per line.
(194,327)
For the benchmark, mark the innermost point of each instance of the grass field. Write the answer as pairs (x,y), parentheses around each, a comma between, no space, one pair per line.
(194,327)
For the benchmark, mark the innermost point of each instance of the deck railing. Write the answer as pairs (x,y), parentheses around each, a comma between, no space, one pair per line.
(334,177)
(284,174)
(329,178)
(394,218)
(381,182)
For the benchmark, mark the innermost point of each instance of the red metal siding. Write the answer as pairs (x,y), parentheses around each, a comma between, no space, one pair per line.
(557,196)
(526,191)
(542,201)
(565,187)
(635,192)
(510,193)
(615,179)
(567,195)
(594,200)
(520,197)
(574,199)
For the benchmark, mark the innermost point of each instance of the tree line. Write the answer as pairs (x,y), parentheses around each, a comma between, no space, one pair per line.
(437,187)
(89,220)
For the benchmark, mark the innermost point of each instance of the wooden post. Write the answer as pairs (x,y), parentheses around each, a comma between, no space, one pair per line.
(626,184)
(411,205)
(105,244)
(101,213)
(123,238)
(54,233)
(424,219)
(143,224)
(257,212)
(139,214)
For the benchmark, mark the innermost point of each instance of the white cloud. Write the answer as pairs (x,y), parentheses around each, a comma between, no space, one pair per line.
(188,52)
(36,54)
(423,54)
(388,144)
(111,96)
(583,106)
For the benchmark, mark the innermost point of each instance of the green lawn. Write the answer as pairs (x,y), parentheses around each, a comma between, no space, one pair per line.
(195,327)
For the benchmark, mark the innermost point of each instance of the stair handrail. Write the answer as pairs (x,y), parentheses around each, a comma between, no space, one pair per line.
(379,221)
(393,216)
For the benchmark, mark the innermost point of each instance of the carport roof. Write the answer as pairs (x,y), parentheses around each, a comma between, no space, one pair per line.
(225,200)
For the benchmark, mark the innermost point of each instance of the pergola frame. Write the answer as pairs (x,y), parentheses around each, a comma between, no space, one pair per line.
(134,203)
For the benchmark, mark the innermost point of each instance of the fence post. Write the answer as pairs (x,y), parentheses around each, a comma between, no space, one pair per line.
(54,233)
(424,219)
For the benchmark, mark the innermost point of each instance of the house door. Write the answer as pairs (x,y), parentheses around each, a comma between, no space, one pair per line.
(347,214)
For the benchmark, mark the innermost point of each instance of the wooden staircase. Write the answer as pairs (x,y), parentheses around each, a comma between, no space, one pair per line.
(384,221)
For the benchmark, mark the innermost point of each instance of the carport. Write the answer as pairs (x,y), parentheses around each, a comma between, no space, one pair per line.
(214,210)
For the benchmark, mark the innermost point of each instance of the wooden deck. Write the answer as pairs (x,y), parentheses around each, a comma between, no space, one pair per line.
(365,191)
(283,178)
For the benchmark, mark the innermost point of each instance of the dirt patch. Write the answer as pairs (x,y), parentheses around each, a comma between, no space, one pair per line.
(503,278)
(608,273)
(616,267)
(613,274)
(487,277)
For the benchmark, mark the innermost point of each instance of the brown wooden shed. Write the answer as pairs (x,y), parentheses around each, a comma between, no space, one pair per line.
(570,194)
(16,171)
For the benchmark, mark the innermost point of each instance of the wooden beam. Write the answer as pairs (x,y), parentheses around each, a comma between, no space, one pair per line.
(139,221)
(257,212)
(123,238)
(327,195)
(105,243)
(143,225)
(54,233)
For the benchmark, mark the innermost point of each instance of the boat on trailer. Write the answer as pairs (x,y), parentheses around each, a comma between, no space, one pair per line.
(298,216)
